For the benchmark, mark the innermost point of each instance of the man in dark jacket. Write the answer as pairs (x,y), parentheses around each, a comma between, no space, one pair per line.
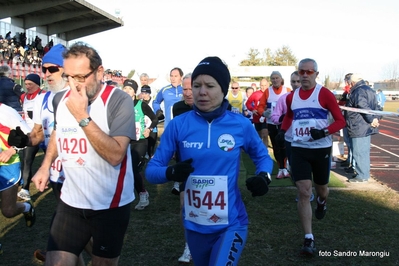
(10,92)
(361,126)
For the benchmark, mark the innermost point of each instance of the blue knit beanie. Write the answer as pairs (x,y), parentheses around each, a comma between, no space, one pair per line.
(54,56)
(34,78)
(214,67)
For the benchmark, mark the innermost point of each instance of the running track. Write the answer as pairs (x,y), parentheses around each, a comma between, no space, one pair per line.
(384,155)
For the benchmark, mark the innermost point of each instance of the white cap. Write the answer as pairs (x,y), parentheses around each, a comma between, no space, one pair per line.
(356,77)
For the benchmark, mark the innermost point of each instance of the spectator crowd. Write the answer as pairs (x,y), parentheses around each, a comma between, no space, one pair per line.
(18,49)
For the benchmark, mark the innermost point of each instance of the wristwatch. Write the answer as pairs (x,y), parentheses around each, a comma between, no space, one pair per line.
(326,132)
(84,122)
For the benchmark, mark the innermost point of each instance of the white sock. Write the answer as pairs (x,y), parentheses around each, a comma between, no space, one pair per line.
(309,236)
(25,190)
(27,207)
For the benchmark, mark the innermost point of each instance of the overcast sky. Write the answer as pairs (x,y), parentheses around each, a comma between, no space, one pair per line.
(341,35)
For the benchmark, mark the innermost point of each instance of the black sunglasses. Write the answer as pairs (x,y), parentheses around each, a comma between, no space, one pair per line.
(51,69)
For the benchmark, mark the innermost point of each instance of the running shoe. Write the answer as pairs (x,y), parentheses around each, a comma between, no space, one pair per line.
(176,188)
(24,194)
(286,173)
(30,216)
(186,257)
(280,174)
(144,201)
(320,210)
(40,254)
(356,179)
(308,247)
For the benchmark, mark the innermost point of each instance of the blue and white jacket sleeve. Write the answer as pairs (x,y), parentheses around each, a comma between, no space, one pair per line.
(155,171)
(156,104)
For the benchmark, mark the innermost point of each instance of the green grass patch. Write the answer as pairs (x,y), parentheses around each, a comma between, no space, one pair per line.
(391,106)
(356,221)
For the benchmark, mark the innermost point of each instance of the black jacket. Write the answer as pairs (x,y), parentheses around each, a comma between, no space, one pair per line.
(363,97)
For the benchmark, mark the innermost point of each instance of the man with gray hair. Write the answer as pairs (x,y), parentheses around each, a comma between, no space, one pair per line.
(10,92)
(43,121)
(307,117)
(144,79)
(361,126)
(267,104)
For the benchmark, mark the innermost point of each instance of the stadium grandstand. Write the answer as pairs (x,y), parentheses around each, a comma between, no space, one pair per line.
(28,30)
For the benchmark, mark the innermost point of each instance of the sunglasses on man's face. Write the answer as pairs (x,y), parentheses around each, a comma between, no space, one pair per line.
(51,69)
(308,72)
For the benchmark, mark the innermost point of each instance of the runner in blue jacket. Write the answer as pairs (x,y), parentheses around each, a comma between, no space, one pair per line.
(169,95)
(209,141)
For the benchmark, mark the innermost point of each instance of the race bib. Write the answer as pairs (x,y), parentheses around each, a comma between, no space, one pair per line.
(206,200)
(72,148)
(301,130)
(56,174)
(147,121)
(138,130)
(235,110)
(272,107)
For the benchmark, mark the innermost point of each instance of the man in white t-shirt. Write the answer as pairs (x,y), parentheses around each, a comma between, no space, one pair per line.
(94,124)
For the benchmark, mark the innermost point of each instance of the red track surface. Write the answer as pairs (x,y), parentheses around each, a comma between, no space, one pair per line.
(384,155)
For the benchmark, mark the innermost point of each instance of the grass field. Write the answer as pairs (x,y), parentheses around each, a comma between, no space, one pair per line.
(391,106)
(360,228)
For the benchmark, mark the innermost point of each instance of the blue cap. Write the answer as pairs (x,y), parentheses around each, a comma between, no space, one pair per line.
(54,56)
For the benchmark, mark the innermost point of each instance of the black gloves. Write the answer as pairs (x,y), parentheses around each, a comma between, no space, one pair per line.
(180,171)
(160,115)
(258,185)
(317,133)
(18,138)
(18,90)
(280,140)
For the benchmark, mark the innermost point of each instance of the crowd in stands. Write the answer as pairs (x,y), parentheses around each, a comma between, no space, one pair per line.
(115,73)
(19,50)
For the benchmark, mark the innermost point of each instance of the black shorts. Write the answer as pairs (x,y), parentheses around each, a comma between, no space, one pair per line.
(72,229)
(260,126)
(308,163)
